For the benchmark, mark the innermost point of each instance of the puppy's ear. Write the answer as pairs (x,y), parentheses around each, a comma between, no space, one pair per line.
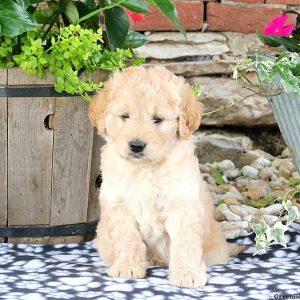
(191,115)
(97,111)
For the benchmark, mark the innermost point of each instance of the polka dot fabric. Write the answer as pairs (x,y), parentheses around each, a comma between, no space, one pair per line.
(34,272)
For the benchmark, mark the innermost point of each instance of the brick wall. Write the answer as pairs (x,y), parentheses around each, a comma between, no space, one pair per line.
(244,16)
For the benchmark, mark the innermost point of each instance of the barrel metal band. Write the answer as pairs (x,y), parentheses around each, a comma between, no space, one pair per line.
(50,231)
(31,91)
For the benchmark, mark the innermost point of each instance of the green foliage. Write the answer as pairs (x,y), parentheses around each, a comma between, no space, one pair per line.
(276,74)
(14,18)
(266,235)
(264,202)
(217,175)
(71,51)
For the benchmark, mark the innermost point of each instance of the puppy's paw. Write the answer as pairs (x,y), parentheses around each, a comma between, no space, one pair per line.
(128,271)
(189,279)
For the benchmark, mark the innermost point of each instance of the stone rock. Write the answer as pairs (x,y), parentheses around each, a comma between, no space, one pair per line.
(171,45)
(286,168)
(219,216)
(226,165)
(251,111)
(243,210)
(274,209)
(258,189)
(231,201)
(216,147)
(229,215)
(237,196)
(199,68)
(270,220)
(251,155)
(243,184)
(235,233)
(242,224)
(261,163)
(295,174)
(251,172)
(209,179)
(267,173)
(219,189)
(286,153)
(241,44)
(191,37)
(232,174)
(205,168)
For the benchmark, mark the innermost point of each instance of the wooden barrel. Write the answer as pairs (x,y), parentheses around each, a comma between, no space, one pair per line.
(49,162)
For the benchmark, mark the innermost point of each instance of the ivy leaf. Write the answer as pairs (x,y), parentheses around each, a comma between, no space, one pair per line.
(292,211)
(170,12)
(72,12)
(260,246)
(14,19)
(260,229)
(136,6)
(117,25)
(277,233)
(135,39)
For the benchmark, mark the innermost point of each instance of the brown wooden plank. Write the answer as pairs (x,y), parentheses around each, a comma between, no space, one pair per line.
(29,161)
(73,142)
(30,240)
(17,76)
(66,239)
(94,207)
(3,163)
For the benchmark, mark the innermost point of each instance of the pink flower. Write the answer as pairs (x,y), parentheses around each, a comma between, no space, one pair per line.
(277,27)
(135,17)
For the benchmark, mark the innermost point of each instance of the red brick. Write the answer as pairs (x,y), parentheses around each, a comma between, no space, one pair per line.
(223,17)
(291,2)
(249,1)
(190,13)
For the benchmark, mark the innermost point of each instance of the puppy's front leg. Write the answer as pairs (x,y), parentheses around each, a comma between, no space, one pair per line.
(120,243)
(186,265)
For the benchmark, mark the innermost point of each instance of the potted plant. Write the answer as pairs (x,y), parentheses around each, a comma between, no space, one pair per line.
(279,81)
(279,76)
(49,156)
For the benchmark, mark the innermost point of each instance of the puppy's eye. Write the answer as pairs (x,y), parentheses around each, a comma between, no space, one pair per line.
(157,120)
(125,116)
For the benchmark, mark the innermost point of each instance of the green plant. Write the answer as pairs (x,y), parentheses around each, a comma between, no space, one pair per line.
(266,235)
(279,73)
(65,37)
(19,16)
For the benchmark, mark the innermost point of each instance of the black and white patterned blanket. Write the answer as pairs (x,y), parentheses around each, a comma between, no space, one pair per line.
(34,272)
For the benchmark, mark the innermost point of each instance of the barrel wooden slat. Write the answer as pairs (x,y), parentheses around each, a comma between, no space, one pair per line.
(29,161)
(94,207)
(72,151)
(3,154)
(50,172)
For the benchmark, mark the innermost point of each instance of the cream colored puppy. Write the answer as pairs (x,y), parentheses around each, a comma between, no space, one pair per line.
(155,206)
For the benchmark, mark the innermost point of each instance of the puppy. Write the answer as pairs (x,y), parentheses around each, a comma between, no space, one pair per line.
(155,206)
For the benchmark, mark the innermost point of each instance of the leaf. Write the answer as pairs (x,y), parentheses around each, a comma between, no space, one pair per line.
(117,25)
(135,39)
(268,40)
(170,12)
(294,182)
(138,61)
(14,19)
(72,12)
(42,16)
(277,233)
(217,175)
(260,247)
(260,228)
(136,6)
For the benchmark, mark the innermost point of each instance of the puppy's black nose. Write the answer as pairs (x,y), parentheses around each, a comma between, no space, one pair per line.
(137,146)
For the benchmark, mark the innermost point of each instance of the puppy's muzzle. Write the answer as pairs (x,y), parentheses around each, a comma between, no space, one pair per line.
(136,148)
